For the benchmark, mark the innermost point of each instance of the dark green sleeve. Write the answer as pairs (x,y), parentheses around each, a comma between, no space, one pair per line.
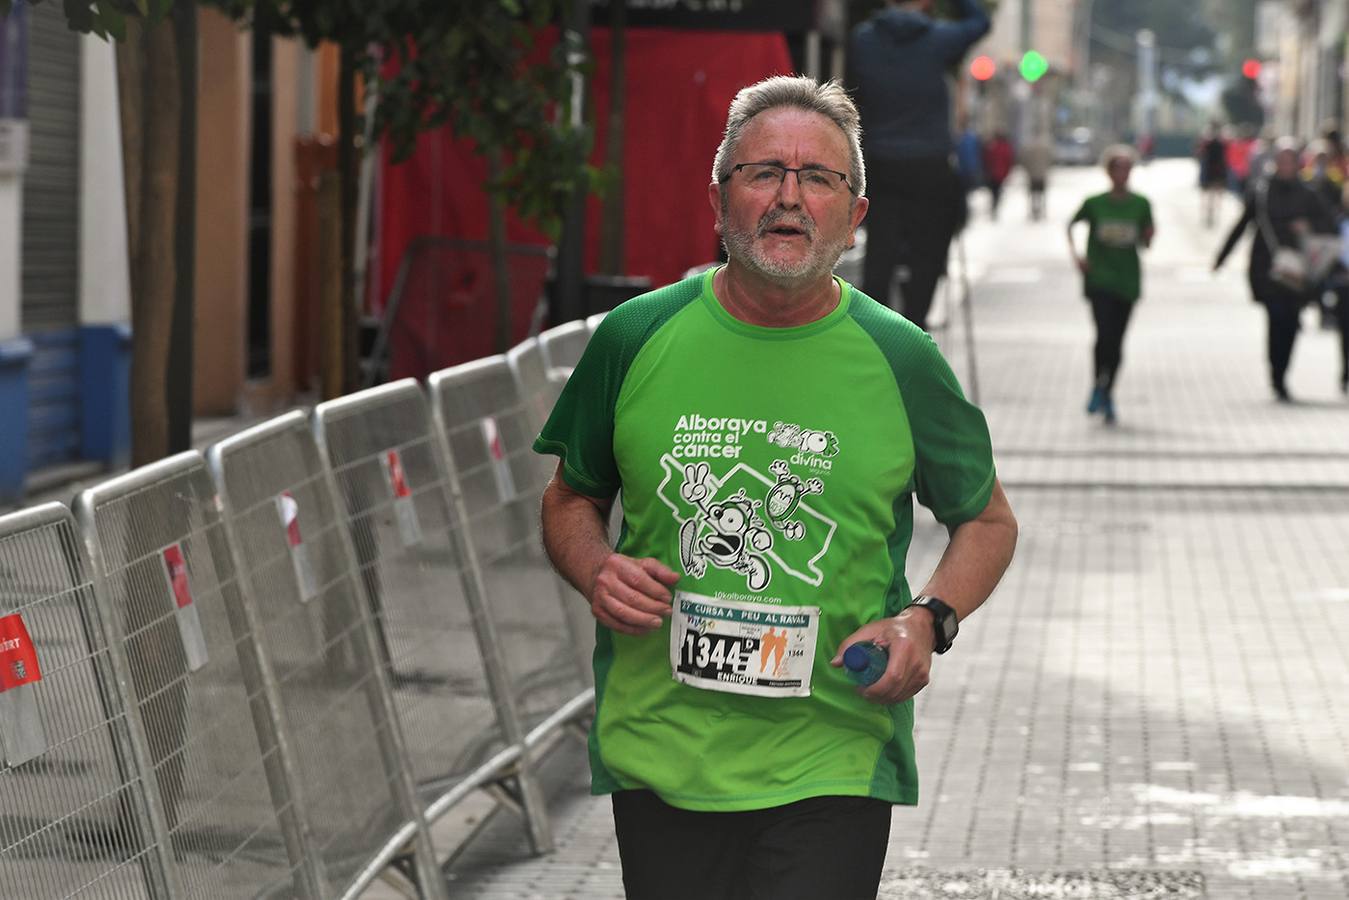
(954,470)
(953,467)
(1083,213)
(1147,213)
(580,430)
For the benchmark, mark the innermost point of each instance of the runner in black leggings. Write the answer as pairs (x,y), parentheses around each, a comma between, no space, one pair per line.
(1120,222)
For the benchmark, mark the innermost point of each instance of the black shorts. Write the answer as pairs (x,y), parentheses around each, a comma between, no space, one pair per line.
(830,847)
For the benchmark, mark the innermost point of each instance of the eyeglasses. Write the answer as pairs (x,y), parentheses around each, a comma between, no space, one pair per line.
(813,180)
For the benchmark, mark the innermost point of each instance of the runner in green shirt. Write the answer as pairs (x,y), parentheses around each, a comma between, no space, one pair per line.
(1120,222)
(769,427)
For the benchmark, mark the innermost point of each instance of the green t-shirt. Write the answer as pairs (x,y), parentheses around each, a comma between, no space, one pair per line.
(1117,226)
(774,469)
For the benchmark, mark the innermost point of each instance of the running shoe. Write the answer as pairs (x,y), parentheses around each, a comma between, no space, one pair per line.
(1108,408)
(1097,401)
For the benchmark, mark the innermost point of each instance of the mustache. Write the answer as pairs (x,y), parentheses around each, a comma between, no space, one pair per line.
(775,217)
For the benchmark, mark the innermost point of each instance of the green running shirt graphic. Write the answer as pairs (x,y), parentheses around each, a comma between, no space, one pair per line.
(775,470)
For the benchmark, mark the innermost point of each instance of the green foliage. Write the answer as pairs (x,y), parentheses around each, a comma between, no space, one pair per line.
(105,18)
(474,65)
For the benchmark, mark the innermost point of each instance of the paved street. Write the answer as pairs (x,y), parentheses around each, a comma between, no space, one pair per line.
(1149,705)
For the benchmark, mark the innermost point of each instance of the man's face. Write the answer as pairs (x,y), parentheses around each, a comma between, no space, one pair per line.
(1119,170)
(787,234)
(1286,164)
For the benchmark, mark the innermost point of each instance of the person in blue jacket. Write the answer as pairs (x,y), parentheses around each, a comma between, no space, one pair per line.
(898,64)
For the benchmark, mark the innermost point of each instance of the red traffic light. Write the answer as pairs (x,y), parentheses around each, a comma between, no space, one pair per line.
(983,68)
(1251,69)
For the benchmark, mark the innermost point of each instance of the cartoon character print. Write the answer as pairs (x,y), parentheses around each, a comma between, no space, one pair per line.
(728,534)
(785,434)
(785,496)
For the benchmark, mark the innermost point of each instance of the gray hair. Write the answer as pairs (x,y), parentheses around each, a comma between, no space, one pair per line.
(829,100)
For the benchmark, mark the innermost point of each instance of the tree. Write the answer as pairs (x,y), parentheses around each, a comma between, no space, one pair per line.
(470,64)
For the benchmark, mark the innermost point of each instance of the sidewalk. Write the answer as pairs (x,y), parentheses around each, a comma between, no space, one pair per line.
(1149,705)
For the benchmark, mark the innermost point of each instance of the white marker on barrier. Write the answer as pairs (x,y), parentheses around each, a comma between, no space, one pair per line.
(405,510)
(501,467)
(289,510)
(22,736)
(185,608)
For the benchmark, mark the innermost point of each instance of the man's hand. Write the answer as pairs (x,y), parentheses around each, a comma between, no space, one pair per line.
(631,595)
(1082,265)
(908,638)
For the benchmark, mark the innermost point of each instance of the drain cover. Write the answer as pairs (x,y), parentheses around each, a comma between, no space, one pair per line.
(1017,884)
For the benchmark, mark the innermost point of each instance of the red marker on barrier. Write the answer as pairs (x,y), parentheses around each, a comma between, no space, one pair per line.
(496,452)
(22,736)
(405,509)
(288,508)
(189,622)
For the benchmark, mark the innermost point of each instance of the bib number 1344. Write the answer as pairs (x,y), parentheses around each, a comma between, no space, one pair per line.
(760,649)
(710,655)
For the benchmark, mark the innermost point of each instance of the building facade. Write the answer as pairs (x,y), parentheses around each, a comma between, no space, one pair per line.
(65,295)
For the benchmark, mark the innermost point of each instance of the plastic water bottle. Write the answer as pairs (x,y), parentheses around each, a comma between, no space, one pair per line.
(865,662)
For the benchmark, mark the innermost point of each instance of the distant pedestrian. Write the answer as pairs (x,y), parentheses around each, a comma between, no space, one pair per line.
(899,61)
(970,159)
(999,157)
(1212,154)
(1119,222)
(1283,209)
(1147,144)
(1239,152)
(1036,157)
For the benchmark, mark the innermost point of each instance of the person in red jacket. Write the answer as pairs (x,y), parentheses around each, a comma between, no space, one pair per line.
(999,157)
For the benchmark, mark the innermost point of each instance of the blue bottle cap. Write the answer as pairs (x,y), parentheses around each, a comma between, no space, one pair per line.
(856,658)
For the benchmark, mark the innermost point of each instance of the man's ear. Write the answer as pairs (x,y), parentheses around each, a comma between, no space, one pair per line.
(714,198)
(859,212)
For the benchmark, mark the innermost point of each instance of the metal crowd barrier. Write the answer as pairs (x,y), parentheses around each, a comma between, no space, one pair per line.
(451,692)
(74,816)
(536,391)
(220,795)
(264,673)
(593,322)
(323,643)
(562,347)
(489,427)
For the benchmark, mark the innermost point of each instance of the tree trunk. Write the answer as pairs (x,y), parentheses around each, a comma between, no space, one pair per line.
(349,172)
(612,226)
(496,242)
(332,375)
(151,105)
(180,357)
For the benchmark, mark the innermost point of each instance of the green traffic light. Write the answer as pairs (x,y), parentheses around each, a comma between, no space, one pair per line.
(1033,66)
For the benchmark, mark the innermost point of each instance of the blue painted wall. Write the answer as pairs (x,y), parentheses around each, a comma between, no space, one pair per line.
(15,356)
(54,398)
(105,406)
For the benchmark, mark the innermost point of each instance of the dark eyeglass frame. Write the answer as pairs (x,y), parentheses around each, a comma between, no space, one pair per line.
(843,176)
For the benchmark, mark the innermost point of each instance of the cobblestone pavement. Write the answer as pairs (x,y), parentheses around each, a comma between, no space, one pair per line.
(1149,705)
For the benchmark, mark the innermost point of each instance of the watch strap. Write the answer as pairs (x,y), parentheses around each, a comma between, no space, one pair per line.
(945,623)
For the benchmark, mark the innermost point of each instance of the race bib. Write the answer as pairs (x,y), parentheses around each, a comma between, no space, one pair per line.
(1118,233)
(758,649)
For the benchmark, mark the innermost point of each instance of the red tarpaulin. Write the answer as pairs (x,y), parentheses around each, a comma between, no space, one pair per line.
(679,84)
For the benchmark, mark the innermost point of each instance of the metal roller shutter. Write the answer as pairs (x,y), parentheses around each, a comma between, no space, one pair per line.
(50,251)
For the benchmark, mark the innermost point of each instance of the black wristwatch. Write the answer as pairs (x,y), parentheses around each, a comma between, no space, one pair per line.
(945,625)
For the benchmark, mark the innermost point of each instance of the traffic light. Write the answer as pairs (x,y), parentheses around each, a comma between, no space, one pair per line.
(1033,66)
(982,68)
(1251,69)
